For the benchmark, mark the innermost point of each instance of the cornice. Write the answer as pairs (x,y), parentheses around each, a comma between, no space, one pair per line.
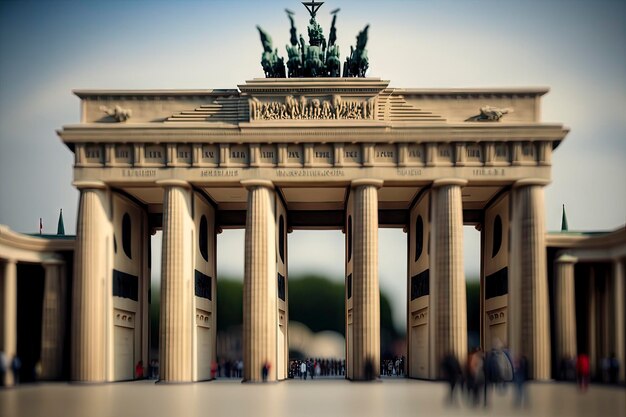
(478,92)
(344,132)
(17,240)
(581,240)
(273,84)
(90,93)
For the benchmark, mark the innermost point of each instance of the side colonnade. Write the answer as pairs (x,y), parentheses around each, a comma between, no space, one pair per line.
(45,266)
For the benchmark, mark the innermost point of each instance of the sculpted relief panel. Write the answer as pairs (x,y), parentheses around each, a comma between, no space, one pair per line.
(313,108)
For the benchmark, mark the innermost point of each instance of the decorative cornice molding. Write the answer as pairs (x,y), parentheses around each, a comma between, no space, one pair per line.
(18,240)
(586,241)
(331,131)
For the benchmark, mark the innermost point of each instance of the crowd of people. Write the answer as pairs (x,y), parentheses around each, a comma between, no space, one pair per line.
(316,367)
(484,372)
(227,368)
(393,366)
(579,369)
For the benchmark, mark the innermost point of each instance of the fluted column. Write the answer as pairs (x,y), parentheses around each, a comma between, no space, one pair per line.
(365,287)
(177,317)
(53,321)
(529,321)
(259,282)
(92,270)
(9,315)
(565,307)
(448,279)
(618,329)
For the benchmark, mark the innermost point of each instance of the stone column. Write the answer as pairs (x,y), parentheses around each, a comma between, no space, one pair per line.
(177,317)
(53,321)
(565,307)
(9,315)
(529,321)
(259,282)
(365,288)
(448,275)
(618,329)
(92,270)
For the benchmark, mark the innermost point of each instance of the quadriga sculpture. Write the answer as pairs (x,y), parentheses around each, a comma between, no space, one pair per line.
(357,63)
(273,65)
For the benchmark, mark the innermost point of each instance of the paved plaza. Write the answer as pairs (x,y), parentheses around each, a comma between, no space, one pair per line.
(390,397)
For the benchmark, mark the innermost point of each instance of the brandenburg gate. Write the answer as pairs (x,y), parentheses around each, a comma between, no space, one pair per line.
(309,150)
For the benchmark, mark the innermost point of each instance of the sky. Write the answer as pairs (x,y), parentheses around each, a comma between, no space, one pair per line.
(576,48)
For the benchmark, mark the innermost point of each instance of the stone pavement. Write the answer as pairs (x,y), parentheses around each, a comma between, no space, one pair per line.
(389,397)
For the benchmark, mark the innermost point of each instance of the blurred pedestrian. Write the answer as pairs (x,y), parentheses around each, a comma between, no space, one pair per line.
(213,370)
(452,373)
(265,370)
(582,371)
(4,366)
(521,376)
(139,370)
(369,370)
(613,368)
(303,370)
(16,366)
(476,375)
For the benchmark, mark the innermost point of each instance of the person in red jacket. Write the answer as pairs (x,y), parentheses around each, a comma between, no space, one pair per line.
(582,371)
(139,370)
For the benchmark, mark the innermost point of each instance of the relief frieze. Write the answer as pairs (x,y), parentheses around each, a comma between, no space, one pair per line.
(312,108)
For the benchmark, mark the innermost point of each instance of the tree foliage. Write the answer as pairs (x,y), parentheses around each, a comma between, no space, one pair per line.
(314,300)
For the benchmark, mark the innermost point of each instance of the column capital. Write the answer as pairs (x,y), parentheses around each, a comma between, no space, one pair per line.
(531,181)
(52,262)
(248,184)
(366,181)
(83,185)
(449,181)
(566,258)
(173,183)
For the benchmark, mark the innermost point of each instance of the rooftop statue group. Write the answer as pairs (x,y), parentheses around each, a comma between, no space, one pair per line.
(317,59)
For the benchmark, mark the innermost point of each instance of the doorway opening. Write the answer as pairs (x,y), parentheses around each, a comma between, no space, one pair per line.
(316,304)
(230,271)
(154,300)
(392,272)
(471,261)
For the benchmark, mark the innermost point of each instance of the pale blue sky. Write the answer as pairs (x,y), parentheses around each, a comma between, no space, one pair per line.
(577,48)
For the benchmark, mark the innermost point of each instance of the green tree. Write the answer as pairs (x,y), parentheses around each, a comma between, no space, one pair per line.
(314,300)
